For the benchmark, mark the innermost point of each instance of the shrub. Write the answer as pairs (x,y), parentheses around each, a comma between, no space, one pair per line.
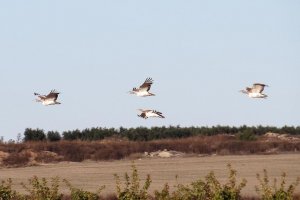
(17,159)
(247,135)
(74,152)
(196,190)
(48,157)
(38,189)
(6,191)
(231,190)
(272,192)
(132,189)
(164,194)
(79,194)
(207,189)
(77,151)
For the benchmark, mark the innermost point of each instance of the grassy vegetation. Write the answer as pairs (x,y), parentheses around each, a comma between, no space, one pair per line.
(131,188)
(131,142)
(28,153)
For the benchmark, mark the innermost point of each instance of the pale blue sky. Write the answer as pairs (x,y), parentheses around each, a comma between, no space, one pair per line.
(199,53)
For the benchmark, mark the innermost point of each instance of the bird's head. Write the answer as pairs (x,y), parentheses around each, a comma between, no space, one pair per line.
(130,92)
(243,91)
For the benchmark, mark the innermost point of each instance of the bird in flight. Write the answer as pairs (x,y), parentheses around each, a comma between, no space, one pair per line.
(49,99)
(150,113)
(255,91)
(143,90)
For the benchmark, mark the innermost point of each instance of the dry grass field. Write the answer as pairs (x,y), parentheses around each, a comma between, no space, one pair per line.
(90,175)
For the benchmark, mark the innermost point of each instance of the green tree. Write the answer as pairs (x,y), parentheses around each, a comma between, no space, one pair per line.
(53,136)
(34,135)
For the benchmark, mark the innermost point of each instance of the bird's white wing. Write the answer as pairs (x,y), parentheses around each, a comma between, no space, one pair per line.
(145,110)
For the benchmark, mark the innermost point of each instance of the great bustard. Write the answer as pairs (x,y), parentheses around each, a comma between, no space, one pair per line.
(143,90)
(150,113)
(49,99)
(255,91)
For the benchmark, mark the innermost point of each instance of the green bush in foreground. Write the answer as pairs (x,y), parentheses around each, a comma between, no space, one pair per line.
(132,189)
(38,189)
(6,192)
(79,194)
(230,190)
(272,192)
(207,189)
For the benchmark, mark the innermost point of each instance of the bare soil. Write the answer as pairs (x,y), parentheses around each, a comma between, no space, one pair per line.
(90,175)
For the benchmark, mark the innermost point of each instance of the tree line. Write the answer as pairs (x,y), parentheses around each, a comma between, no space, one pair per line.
(153,133)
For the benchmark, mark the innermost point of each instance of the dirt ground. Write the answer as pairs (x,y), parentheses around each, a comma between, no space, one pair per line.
(91,175)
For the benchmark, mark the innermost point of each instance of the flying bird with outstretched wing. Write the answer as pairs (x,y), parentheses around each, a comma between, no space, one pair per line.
(143,90)
(49,99)
(150,113)
(255,91)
